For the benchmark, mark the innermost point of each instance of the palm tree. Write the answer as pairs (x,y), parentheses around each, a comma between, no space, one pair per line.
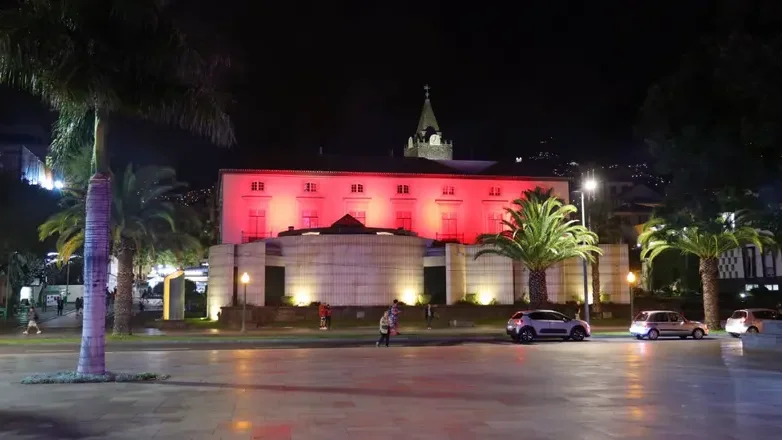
(91,61)
(141,216)
(540,235)
(707,241)
(603,222)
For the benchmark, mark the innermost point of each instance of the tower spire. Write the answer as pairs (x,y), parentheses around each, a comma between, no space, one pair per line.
(427,118)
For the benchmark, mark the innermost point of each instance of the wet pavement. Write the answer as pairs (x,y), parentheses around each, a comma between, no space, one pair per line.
(668,389)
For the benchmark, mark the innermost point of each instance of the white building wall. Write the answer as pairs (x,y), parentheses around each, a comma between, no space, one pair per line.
(251,258)
(221,278)
(455,272)
(490,277)
(353,269)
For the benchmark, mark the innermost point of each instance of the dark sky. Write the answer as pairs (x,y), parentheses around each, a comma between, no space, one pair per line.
(349,78)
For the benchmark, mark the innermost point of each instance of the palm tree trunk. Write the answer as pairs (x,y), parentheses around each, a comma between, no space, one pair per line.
(92,355)
(596,285)
(538,291)
(123,302)
(711,309)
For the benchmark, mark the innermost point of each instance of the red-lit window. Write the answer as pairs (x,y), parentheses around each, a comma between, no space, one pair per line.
(494,223)
(403,189)
(309,219)
(448,190)
(310,187)
(256,226)
(449,226)
(495,191)
(404,220)
(357,188)
(360,216)
(256,186)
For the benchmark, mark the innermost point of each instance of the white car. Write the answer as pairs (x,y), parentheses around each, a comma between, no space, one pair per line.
(748,321)
(653,324)
(528,325)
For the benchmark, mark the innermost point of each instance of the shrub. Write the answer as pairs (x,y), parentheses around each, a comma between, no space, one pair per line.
(287,301)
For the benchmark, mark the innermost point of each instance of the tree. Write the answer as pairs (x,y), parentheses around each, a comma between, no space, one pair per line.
(141,216)
(707,241)
(540,235)
(93,61)
(607,226)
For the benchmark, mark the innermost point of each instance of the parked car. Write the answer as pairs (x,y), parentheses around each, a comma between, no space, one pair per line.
(748,321)
(528,325)
(655,323)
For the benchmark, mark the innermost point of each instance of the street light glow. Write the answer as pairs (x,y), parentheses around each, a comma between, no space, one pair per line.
(631,278)
(245,278)
(58,184)
(590,184)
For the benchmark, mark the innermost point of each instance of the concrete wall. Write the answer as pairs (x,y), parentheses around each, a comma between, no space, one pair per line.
(221,278)
(353,269)
(455,272)
(614,266)
(251,258)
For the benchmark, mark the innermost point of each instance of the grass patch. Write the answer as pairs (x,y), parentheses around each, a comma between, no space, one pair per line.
(201,323)
(74,377)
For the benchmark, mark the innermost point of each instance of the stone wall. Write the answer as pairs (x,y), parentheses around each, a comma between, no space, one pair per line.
(221,278)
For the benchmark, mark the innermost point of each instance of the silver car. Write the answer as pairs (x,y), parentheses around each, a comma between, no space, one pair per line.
(655,323)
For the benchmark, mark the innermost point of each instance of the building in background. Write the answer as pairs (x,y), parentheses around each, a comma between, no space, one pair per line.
(23,152)
(365,231)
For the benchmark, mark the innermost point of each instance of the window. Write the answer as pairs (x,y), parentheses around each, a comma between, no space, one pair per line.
(495,191)
(738,314)
(360,216)
(403,189)
(537,316)
(256,226)
(404,220)
(256,186)
(449,224)
(750,266)
(310,187)
(309,219)
(659,317)
(494,223)
(357,188)
(764,314)
(448,190)
(675,317)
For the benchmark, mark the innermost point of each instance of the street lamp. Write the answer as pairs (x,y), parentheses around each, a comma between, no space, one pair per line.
(588,185)
(631,279)
(245,279)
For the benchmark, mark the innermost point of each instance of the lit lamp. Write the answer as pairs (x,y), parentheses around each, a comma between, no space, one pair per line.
(245,279)
(631,279)
(587,185)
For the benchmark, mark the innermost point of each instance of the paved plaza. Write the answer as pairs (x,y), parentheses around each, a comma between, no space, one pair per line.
(567,391)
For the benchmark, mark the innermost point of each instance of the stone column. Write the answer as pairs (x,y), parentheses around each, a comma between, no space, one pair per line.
(221,278)
(251,258)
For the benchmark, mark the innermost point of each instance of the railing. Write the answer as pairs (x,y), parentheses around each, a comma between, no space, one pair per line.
(451,238)
(249,237)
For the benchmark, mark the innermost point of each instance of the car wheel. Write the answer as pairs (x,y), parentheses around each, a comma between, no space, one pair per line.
(752,330)
(577,334)
(639,337)
(526,334)
(697,334)
(735,335)
(653,334)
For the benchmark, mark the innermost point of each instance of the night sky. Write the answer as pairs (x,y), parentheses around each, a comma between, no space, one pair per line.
(349,79)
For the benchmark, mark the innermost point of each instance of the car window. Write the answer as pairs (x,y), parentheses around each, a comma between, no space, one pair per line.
(643,316)
(659,317)
(764,314)
(675,317)
(738,314)
(537,316)
(554,316)
(517,315)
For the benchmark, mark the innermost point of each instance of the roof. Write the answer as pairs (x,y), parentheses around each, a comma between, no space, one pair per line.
(347,225)
(427,118)
(391,165)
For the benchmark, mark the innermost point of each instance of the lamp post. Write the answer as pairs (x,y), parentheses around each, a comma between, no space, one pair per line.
(588,185)
(631,279)
(245,279)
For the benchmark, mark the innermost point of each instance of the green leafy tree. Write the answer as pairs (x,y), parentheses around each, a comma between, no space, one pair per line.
(707,241)
(539,235)
(93,61)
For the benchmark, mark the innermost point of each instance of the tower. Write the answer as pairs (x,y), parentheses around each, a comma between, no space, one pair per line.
(428,140)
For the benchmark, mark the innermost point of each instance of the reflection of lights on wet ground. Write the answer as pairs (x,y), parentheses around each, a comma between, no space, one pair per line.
(241,425)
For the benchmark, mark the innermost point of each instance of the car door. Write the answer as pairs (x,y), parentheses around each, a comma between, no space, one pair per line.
(540,322)
(659,321)
(677,325)
(559,324)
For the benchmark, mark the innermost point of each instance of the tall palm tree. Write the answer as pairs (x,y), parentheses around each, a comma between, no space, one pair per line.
(141,216)
(91,61)
(540,235)
(603,222)
(707,241)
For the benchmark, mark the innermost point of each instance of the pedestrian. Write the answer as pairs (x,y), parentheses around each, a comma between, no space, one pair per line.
(32,320)
(60,305)
(393,318)
(141,305)
(385,330)
(79,306)
(322,315)
(328,316)
(429,315)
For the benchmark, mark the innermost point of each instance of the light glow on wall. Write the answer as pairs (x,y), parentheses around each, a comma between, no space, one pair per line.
(302,298)
(409,297)
(485,298)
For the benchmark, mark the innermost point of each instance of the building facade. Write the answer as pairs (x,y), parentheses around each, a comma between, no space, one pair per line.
(747,268)
(365,231)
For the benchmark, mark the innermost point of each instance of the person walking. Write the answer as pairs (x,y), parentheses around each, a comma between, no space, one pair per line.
(393,318)
(32,320)
(385,330)
(322,315)
(429,315)
(79,304)
(328,316)
(60,305)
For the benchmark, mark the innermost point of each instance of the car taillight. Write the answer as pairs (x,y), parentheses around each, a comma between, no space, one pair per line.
(518,322)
